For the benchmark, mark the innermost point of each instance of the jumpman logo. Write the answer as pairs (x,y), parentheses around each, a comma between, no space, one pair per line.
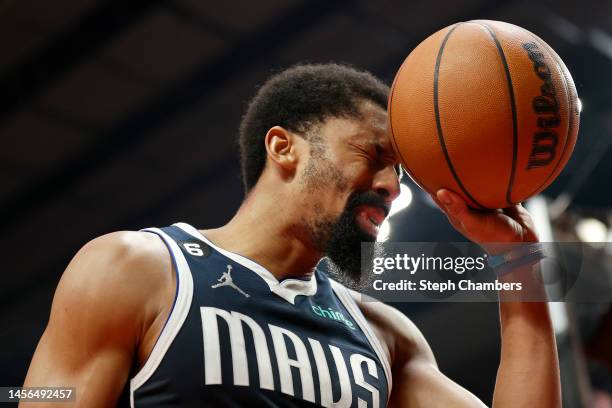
(226,280)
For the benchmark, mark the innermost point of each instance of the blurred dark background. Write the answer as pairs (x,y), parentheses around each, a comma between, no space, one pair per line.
(123,114)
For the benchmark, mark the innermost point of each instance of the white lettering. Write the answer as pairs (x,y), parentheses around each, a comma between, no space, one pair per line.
(212,352)
(302,362)
(356,361)
(346,395)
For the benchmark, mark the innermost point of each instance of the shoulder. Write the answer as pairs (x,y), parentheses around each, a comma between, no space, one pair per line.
(124,247)
(125,272)
(125,257)
(106,300)
(394,329)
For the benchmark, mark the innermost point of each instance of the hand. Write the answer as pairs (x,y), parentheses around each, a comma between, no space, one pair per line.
(512,224)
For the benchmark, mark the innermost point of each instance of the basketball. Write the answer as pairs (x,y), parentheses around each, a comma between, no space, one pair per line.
(486,109)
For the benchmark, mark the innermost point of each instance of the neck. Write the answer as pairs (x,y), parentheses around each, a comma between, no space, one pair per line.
(267,231)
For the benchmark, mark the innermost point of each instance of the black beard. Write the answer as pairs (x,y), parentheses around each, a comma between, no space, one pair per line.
(343,247)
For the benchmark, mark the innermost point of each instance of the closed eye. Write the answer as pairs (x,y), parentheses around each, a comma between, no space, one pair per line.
(377,156)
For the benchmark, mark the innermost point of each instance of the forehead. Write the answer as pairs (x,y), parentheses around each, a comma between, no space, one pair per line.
(368,128)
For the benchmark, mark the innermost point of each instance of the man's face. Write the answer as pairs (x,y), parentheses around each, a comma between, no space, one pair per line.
(349,180)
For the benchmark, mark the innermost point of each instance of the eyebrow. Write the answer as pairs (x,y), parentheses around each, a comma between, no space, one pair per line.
(380,150)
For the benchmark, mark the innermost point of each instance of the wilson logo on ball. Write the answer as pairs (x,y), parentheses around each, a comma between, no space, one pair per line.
(546,106)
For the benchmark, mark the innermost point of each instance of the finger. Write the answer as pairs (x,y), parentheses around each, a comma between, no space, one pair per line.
(513,211)
(438,202)
(458,212)
(473,221)
(519,214)
(442,208)
(522,216)
(455,206)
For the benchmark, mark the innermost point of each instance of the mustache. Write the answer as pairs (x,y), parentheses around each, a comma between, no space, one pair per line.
(369,198)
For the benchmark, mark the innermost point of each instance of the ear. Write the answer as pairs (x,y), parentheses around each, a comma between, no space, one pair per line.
(281,148)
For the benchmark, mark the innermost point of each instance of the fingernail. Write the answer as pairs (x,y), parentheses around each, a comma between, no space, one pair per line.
(446,199)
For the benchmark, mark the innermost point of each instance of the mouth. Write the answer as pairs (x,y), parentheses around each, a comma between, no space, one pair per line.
(370,218)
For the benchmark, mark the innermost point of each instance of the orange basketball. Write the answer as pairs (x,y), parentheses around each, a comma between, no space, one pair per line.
(486,109)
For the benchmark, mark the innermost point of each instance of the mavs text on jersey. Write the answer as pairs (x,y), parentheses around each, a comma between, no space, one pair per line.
(237,337)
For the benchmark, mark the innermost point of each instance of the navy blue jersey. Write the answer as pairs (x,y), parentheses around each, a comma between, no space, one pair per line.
(238,337)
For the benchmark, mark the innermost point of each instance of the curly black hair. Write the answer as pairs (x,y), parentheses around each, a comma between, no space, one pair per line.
(299,99)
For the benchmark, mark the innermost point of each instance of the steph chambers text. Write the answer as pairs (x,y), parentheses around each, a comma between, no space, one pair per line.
(462,285)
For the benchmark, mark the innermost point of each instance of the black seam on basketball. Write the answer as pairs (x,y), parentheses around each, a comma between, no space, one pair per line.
(513,107)
(397,149)
(439,124)
(569,113)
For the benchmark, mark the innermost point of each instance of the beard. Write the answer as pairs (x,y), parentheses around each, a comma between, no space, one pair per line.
(341,239)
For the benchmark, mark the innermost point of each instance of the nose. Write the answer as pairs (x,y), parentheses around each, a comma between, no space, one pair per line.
(386,183)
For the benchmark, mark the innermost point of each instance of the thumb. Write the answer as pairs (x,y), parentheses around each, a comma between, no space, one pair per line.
(457,209)
(452,203)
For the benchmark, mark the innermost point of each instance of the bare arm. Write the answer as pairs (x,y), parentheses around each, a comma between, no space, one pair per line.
(103,308)
(528,374)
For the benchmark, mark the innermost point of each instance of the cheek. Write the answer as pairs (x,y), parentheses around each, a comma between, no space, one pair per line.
(334,196)
(358,177)
(334,185)
(335,178)
(340,182)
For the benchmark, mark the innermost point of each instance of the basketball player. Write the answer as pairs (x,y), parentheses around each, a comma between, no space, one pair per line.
(239,316)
